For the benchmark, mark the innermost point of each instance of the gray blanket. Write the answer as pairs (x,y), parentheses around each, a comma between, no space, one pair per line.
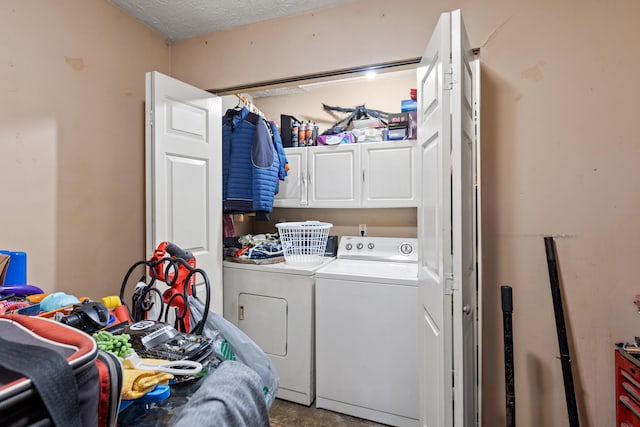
(230,396)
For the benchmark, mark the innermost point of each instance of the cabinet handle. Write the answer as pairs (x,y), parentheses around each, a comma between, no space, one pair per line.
(362,175)
(241,312)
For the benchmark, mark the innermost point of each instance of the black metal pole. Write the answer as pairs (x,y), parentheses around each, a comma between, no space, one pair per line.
(561,329)
(507,309)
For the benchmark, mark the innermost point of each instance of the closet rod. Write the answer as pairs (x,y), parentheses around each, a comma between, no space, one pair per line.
(261,85)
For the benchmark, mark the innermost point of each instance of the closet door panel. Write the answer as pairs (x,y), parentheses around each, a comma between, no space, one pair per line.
(183,170)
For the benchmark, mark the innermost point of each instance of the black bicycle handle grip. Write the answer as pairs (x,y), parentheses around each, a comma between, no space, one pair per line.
(175,250)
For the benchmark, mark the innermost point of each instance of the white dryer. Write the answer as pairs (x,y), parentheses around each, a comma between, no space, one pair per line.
(367,345)
(274,305)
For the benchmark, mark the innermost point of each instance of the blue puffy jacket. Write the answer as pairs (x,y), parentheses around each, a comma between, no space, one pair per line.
(282,157)
(250,163)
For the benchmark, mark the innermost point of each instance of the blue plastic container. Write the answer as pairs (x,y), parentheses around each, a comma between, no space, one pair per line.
(408,105)
(17,271)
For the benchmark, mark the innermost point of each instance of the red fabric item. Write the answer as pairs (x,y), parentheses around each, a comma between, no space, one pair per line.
(105,390)
(228,229)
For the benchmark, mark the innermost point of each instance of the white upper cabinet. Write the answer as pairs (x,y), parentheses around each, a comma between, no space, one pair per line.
(366,175)
(389,174)
(292,192)
(334,176)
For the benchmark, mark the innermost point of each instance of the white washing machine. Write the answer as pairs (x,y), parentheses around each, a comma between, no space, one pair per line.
(367,317)
(274,305)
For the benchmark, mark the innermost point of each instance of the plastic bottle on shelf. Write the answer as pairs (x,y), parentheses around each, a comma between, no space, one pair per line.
(294,134)
(307,134)
(302,131)
(314,134)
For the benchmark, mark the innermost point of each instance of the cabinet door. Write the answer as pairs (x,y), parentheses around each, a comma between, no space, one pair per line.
(389,171)
(264,319)
(292,192)
(334,176)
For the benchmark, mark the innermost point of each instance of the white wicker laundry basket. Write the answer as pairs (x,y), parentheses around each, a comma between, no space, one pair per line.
(304,242)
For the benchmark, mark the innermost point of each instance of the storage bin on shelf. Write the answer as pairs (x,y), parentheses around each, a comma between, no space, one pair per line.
(370,134)
(304,242)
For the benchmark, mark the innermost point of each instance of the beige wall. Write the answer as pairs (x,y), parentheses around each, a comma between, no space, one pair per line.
(379,222)
(72,140)
(559,88)
(384,93)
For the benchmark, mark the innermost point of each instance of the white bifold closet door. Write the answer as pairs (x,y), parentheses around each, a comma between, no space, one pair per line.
(448,228)
(184,174)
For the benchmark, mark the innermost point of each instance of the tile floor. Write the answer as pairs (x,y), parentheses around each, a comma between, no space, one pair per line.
(288,414)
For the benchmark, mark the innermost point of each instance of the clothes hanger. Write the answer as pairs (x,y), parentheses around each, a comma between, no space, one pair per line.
(244,102)
(175,367)
(241,101)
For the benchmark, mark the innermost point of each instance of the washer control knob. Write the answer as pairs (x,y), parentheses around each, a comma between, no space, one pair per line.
(371,246)
(348,246)
(360,245)
(406,248)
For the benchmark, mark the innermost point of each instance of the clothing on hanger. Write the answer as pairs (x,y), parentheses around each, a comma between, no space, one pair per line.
(250,164)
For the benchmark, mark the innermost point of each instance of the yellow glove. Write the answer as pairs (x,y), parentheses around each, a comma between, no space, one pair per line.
(138,382)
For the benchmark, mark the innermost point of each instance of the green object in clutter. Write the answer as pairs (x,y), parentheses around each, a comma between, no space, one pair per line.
(116,344)
(226,350)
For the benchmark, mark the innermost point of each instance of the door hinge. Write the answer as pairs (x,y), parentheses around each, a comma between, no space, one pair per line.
(476,120)
(149,118)
(450,78)
(449,283)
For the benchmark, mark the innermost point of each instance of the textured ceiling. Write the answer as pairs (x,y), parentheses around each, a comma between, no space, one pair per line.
(180,19)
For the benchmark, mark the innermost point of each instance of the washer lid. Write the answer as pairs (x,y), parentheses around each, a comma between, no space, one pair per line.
(371,271)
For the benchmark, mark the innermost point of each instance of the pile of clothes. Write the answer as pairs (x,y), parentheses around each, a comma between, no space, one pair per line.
(253,247)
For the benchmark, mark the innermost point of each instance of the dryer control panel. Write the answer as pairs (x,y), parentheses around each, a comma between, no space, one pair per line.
(395,249)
